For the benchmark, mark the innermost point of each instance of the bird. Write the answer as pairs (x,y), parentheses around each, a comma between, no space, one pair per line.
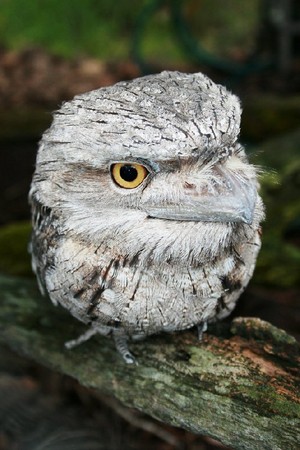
(146,210)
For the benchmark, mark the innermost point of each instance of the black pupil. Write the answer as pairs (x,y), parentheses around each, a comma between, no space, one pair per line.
(128,173)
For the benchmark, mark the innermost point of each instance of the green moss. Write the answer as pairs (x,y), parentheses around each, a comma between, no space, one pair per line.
(239,404)
(265,399)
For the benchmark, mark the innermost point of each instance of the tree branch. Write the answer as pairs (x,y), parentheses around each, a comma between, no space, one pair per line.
(240,385)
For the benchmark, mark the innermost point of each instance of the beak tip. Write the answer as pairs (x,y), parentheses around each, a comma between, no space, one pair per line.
(247,217)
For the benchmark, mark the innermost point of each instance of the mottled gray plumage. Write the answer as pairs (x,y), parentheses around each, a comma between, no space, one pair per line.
(173,252)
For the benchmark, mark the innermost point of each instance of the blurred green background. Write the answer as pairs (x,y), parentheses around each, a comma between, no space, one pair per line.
(104,29)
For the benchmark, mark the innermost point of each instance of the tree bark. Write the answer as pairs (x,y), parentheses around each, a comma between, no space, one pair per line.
(240,385)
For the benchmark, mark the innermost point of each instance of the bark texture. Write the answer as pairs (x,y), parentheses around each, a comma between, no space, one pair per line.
(240,385)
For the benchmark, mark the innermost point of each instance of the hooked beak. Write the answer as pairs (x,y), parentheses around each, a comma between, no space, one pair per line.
(234,202)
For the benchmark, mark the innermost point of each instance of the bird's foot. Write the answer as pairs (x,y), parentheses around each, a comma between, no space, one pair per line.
(121,341)
(82,338)
(201,328)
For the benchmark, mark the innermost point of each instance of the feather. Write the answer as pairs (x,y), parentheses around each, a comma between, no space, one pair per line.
(140,258)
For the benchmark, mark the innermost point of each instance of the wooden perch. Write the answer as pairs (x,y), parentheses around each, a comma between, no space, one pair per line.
(240,385)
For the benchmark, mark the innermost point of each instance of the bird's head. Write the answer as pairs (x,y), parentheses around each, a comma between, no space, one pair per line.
(149,163)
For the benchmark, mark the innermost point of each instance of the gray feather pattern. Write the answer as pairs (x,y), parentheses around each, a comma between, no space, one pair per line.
(174,252)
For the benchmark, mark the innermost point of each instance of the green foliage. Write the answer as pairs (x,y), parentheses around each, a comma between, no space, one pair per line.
(105,29)
(68,27)
(279,260)
(14,256)
(232,25)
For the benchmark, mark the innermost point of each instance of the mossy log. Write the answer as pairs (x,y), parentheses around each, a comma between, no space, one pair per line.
(240,385)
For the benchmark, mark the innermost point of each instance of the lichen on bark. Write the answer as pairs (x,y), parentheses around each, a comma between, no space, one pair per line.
(240,385)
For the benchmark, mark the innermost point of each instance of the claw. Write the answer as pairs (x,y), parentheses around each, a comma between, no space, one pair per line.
(201,328)
(122,347)
(119,338)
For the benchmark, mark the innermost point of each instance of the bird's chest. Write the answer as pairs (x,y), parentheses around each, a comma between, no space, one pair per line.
(99,285)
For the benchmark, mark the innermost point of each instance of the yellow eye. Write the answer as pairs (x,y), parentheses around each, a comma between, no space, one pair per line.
(128,175)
